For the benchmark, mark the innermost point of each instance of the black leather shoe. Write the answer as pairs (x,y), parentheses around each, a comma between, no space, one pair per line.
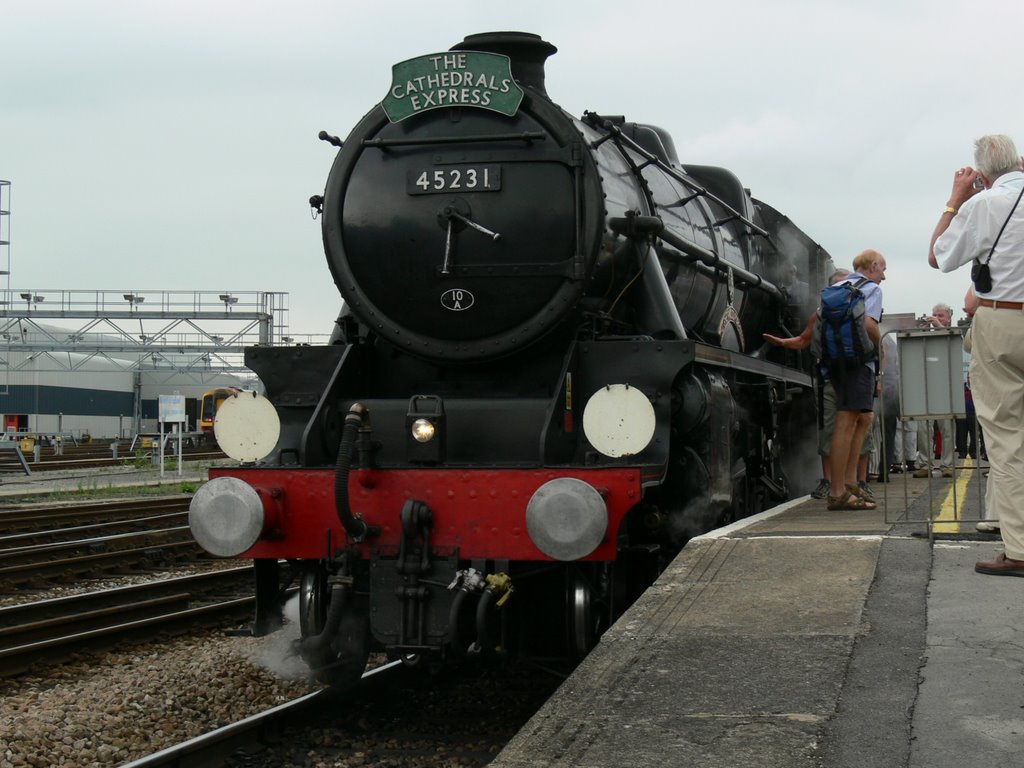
(1001,566)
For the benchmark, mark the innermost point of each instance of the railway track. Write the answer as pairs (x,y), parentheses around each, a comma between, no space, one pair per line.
(49,631)
(211,749)
(27,568)
(396,716)
(38,521)
(41,544)
(45,543)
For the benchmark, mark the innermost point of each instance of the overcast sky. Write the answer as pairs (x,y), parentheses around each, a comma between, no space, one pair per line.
(172,145)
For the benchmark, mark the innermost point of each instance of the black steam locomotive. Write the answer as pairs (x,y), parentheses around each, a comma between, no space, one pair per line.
(547,375)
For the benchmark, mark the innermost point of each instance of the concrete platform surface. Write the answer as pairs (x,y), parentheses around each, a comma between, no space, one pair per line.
(806,638)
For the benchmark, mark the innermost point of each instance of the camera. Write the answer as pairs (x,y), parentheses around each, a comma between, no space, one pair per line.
(981,276)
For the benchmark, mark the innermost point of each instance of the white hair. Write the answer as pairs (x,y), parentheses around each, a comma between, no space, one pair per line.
(995,155)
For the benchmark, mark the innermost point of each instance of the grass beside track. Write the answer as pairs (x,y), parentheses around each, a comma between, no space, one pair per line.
(85,492)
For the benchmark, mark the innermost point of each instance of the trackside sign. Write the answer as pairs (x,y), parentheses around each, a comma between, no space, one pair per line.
(452,79)
(171,408)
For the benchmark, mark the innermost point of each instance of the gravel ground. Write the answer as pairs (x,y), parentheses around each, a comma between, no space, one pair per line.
(118,706)
(123,705)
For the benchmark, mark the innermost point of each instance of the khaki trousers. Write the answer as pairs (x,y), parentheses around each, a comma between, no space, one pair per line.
(997,382)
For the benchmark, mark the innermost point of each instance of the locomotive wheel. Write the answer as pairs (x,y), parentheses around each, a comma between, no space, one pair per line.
(583,632)
(312,601)
(345,660)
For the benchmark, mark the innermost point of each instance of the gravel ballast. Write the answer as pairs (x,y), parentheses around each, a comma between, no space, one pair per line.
(126,704)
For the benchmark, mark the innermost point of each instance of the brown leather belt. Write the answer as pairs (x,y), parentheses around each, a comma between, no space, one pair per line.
(1017,305)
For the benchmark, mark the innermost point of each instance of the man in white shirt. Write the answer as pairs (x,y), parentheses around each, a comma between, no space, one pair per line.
(986,226)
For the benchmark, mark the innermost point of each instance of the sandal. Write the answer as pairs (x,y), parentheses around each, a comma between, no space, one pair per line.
(838,502)
(858,502)
(849,501)
(861,492)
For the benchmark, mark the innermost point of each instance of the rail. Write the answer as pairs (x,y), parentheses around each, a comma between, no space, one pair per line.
(211,748)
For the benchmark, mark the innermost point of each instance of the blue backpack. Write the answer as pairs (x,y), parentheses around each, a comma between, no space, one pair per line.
(840,339)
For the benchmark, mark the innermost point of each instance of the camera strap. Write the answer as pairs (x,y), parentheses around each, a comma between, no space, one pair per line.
(993,248)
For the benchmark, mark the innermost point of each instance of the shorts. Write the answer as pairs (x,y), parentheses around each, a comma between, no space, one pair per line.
(855,389)
(828,400)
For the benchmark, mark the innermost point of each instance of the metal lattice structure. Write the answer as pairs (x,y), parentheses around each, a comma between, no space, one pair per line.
(174,331)
(5,258)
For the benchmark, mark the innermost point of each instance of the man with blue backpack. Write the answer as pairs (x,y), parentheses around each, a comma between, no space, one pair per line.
(844,337)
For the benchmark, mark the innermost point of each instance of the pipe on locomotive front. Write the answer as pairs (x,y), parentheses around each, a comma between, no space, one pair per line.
(355,526)
(483,606)
(454,641)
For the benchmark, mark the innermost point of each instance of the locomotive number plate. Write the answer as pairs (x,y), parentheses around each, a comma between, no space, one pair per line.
(461,178)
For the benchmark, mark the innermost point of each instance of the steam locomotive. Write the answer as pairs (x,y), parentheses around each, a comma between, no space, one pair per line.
(548,374)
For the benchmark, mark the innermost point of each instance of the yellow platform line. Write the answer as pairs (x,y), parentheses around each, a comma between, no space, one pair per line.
(947,520)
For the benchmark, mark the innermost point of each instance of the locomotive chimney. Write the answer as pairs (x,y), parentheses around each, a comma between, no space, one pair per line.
(527,52)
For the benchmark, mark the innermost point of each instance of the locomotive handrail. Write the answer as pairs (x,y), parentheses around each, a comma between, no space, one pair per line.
(631,226)
(714,261)
(528,136)
(596,121)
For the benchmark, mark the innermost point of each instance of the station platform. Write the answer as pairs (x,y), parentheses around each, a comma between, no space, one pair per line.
(804,637)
